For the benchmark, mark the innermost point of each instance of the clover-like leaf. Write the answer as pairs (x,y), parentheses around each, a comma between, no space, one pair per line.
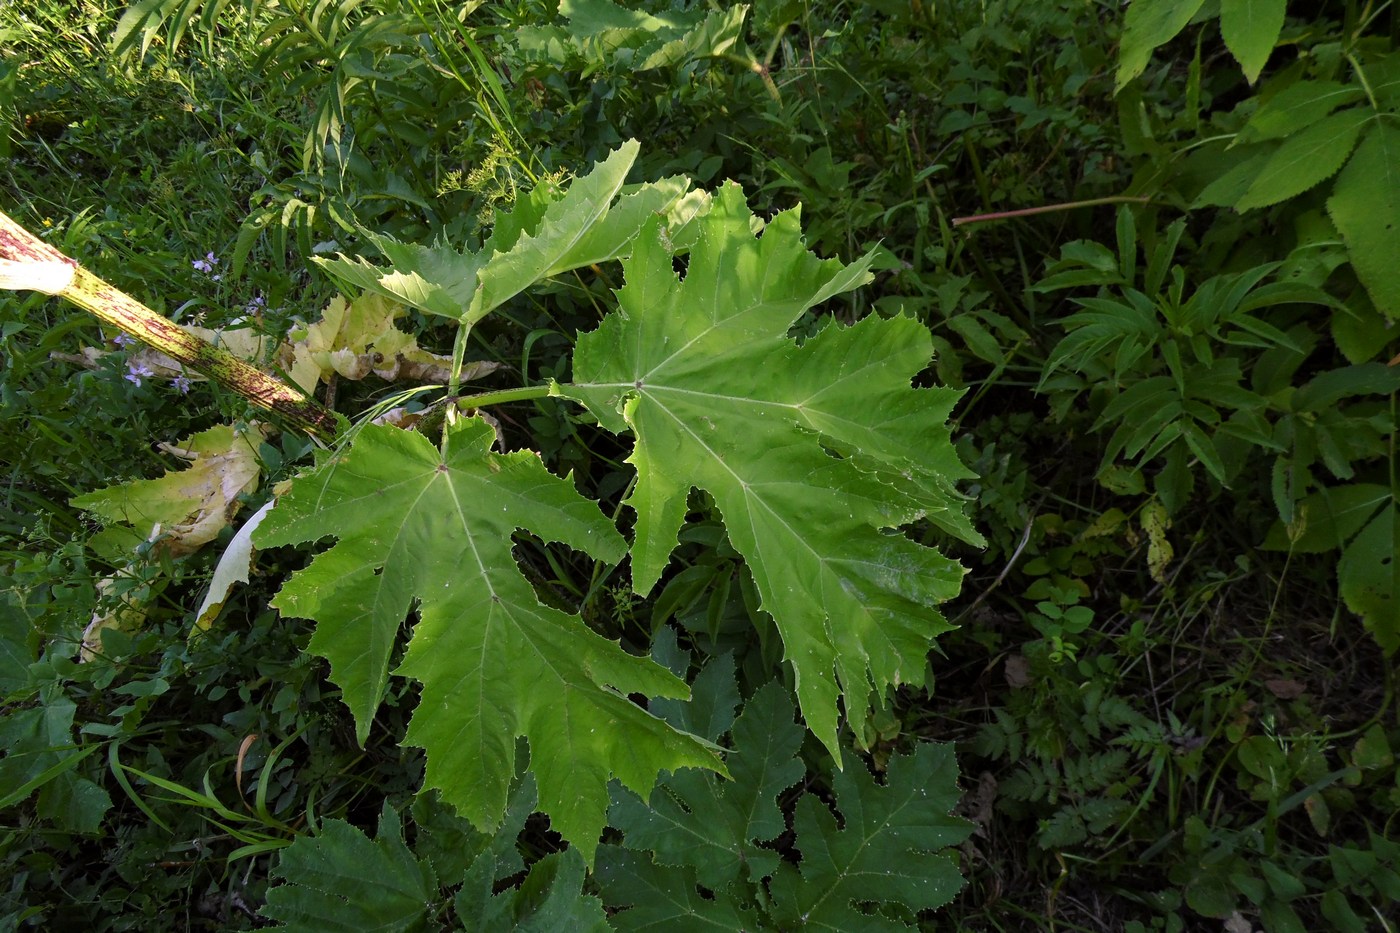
(415,523)
(813,452)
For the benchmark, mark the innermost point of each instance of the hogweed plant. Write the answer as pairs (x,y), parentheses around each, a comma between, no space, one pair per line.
(816,452)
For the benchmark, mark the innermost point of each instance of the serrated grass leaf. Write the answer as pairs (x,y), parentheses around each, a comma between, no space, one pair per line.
(1365,206)
(1146,25)
(414,524)
(811,452)
(1305,159)
(1250,28)
(1297,107)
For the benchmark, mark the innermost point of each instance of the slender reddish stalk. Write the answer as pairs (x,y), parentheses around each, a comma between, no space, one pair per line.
(1048,209)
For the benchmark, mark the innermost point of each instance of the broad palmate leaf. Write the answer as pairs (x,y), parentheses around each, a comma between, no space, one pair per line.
(688,862)
(548,232)
(340,879)
(813,452)
(550,897)
(414,523)
(714,826)
(890,847)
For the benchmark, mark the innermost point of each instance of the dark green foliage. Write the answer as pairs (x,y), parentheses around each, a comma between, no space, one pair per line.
(340,879)
(702,834)
(1180,409)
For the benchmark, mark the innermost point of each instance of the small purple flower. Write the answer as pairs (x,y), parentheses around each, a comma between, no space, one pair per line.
(182,383)
(256,306)
(206,264)
(122,340)
(135,372)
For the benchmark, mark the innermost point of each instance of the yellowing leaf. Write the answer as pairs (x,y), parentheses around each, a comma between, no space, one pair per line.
(354,339)
(187,508)
(243,342)
(813,453)
(1159,549)
(127,615)
(233,567)
(417,524)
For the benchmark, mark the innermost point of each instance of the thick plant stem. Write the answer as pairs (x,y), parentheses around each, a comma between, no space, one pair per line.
(26,262)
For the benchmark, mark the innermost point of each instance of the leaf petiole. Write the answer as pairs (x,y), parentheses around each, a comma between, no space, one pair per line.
(501,396)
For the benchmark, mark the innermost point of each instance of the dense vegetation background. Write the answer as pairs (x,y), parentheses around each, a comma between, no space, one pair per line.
(1159,260)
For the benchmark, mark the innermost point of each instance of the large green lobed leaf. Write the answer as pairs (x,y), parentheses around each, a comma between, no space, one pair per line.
(891,846)
(717,827)
(700,835)
(416,524)
(341,879)
(549,231)
(813,452)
